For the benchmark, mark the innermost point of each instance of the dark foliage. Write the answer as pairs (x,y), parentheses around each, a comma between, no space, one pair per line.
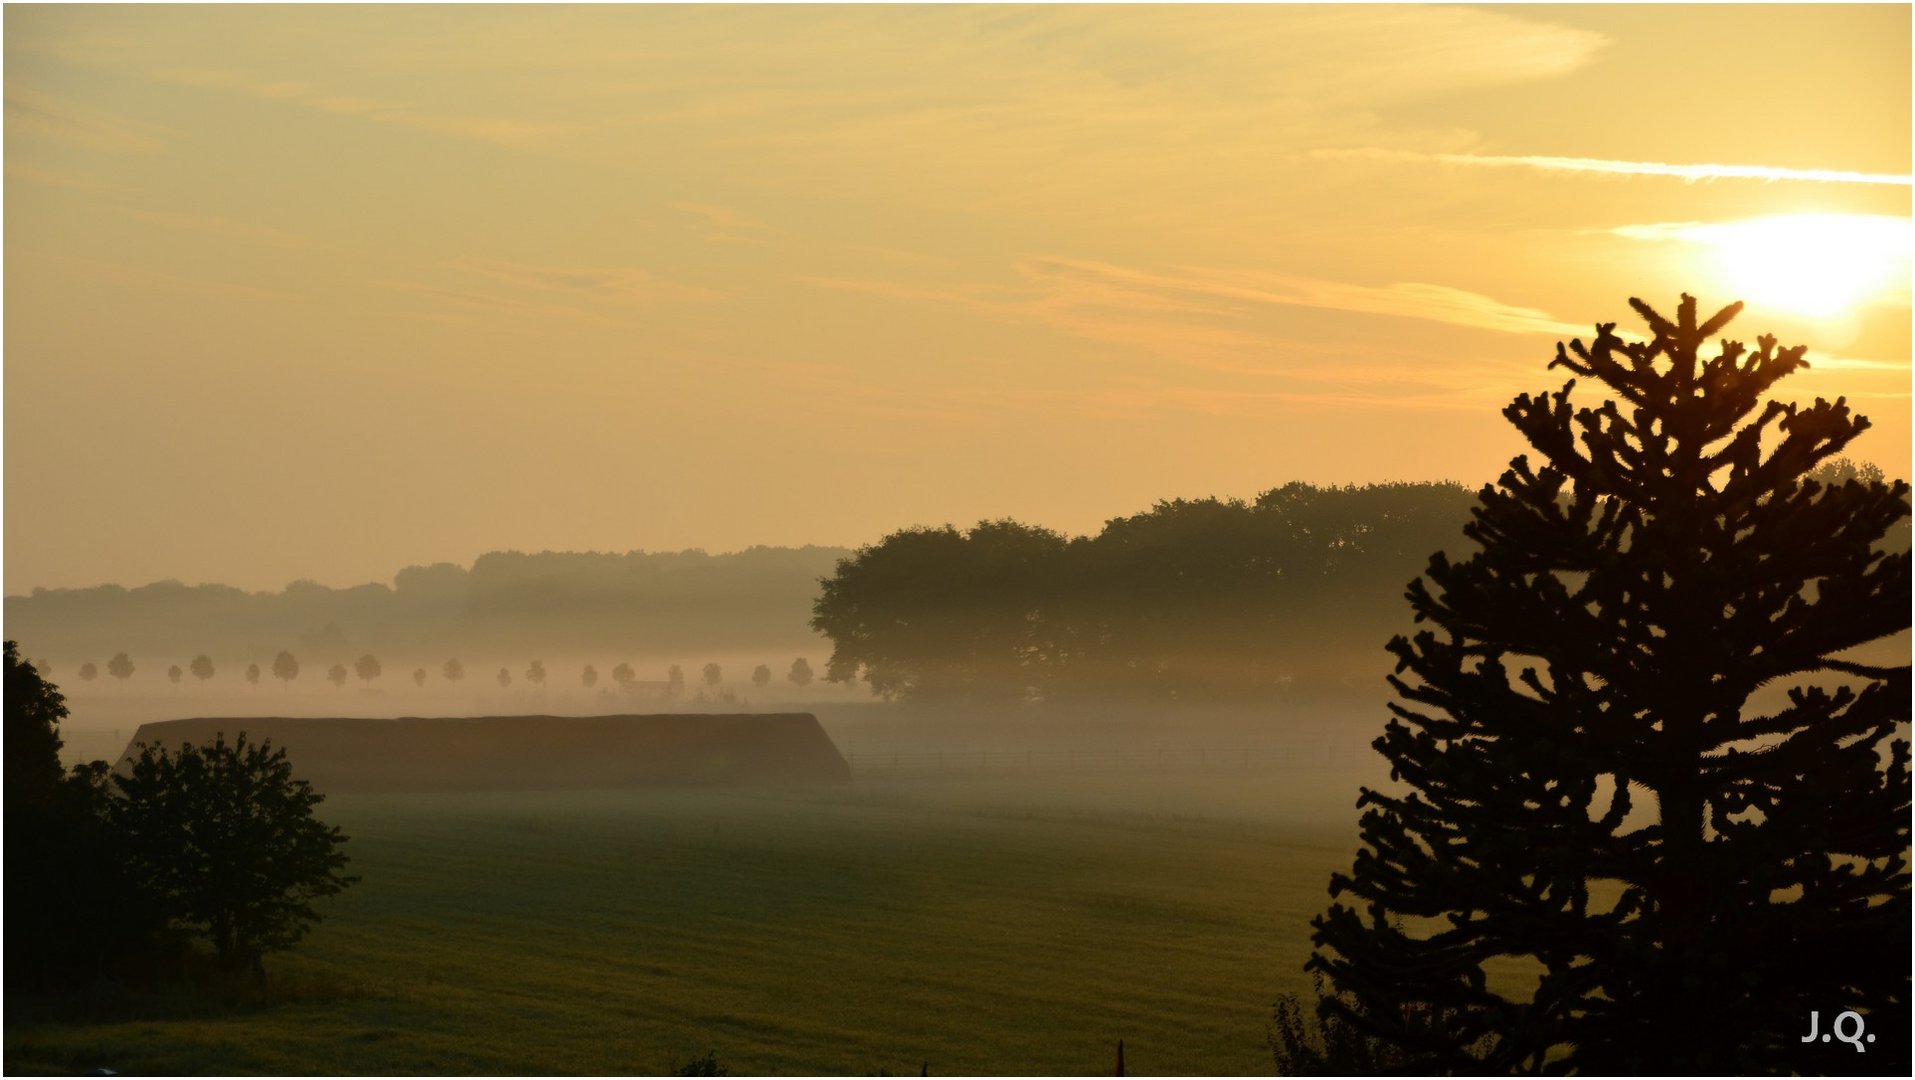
(222,840)
(1324,1042)
(1193,600)
(72,914)
(1635,748)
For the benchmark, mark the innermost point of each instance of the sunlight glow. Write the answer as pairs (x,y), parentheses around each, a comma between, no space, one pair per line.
(1811,264)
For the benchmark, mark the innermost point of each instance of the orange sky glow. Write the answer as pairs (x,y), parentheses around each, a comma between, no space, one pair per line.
(322,292)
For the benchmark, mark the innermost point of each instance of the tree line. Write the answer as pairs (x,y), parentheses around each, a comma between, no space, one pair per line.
(506,603)
(1193,599)
(286,667)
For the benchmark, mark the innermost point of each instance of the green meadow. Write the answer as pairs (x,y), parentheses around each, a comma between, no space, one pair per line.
(1009,924)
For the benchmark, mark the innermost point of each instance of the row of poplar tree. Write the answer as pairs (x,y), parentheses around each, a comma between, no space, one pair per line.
(286,667)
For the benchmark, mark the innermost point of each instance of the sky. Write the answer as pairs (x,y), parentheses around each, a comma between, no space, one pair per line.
(323,292)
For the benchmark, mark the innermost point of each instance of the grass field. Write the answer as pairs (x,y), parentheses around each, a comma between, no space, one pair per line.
(1008,925)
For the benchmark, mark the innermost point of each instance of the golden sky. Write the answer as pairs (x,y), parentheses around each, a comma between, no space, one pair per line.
(326,291)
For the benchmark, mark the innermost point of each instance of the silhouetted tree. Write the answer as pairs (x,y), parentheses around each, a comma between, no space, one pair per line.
(800,673)
(589,676)
(1605,649)
(252,674)
(285,667)
(71,913)
(505,678)
(535,674)
(337,675)
(367,668)
(120,667)
(418,676)
(675,682)
(938,612)
(761,676)
(453,671)
(713,674)
(202,668)
(176,673)
(89,671)
(34,709)
(224,838)
(623,675)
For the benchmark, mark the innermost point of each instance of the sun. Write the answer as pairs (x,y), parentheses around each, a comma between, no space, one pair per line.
(1809,264)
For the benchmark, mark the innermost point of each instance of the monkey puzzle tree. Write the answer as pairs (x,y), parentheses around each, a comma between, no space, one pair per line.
(1590,776)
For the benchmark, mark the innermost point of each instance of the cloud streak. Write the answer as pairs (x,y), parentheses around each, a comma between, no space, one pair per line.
(1611,167)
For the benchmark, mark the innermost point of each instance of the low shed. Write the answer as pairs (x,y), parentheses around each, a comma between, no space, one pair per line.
(531,752)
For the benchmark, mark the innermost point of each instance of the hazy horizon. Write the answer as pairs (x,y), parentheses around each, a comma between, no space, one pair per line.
(321,293)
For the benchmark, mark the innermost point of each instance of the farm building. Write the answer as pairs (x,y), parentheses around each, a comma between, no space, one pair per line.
(530,752)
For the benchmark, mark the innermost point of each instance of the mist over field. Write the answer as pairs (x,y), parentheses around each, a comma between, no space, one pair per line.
(648,539)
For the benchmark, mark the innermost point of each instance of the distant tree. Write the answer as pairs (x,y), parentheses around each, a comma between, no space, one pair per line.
(120,667)
(337,675)
(942,613)
(800,673)
(285,667)
(623,675)
(453,671)
(89,671)
(713,674)
(252,674)
(418,676)
(761,676)
(175,673)
(535,674)
(224,838)
(202,668)
(505,678)
(675,682)
(367,668)
(1840,470)
(589,676)
(705,1066)
(1608,642)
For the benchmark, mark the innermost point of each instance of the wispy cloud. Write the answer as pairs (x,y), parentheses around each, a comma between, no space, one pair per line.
(1228,322)
(35,114)
(1689,173)
(720,216)
(614,284)
(220,226)
(498,130)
